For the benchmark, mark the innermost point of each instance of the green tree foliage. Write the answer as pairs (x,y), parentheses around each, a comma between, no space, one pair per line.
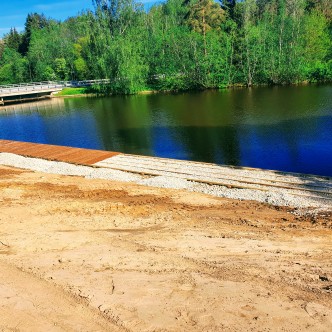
(120,28)
(33,22)
(204,16)
(2,47)
(13,39)
(229,7)
(316,45)
(60,68)
(13,67)
(176,45)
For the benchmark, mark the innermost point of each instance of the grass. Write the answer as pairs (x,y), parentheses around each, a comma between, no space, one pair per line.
(73,91)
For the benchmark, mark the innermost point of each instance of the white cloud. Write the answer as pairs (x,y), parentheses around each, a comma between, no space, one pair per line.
(12,17)
(59,5)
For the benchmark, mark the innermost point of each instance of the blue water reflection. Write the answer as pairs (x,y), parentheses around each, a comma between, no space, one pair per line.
(285,128)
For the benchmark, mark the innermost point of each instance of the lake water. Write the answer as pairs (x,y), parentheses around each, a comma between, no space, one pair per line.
(280,128)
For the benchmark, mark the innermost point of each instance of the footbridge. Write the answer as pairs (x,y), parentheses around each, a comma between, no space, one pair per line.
(35,90)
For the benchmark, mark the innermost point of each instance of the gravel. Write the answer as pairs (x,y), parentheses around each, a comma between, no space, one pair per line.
(167,182)
(275,196)
(55,167)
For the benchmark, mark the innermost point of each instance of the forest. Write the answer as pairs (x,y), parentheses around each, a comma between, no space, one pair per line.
(176,45)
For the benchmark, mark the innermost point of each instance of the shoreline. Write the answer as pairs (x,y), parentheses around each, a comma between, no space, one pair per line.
(154,91)
(72,94)
(305,193)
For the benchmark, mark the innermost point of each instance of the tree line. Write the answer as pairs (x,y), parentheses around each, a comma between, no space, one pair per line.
(176,45)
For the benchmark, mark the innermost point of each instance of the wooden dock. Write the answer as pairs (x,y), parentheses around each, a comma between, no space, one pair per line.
(316,188)
(55,152)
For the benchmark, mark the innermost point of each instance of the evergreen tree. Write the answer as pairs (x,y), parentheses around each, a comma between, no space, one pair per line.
(33,22)
(13,39)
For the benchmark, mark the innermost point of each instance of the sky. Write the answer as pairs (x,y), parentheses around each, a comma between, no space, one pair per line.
(14,12)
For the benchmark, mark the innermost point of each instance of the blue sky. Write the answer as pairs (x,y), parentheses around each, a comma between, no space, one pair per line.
(14,12)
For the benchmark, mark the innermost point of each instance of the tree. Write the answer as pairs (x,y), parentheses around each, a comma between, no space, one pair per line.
(317,44)
(322,6)
(13,67)
(120,14)
(229,7)
(2,47)
(176,45)
(33,22)
(203,16)
(60,68)
(13,39)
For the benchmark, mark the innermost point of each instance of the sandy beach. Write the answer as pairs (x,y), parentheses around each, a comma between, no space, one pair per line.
(82,254)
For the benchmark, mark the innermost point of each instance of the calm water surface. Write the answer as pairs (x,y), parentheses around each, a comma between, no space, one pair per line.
(281,128)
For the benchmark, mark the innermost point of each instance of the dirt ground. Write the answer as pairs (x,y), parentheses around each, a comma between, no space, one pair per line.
(97,255)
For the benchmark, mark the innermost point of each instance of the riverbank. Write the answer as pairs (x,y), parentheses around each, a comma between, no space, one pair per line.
(90,92)
(306,194)
(98,90)
(121,256)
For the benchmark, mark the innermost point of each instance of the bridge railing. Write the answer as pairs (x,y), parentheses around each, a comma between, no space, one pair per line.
(31,86)
(28,86)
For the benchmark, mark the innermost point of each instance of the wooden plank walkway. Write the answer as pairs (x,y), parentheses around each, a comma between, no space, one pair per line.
(55,152)
(310,187)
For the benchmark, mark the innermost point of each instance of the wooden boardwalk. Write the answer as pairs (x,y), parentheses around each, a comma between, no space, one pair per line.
(222,175)
(55,152)
(311,187)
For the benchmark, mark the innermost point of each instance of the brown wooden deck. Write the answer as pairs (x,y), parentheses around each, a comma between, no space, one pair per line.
(55,152)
